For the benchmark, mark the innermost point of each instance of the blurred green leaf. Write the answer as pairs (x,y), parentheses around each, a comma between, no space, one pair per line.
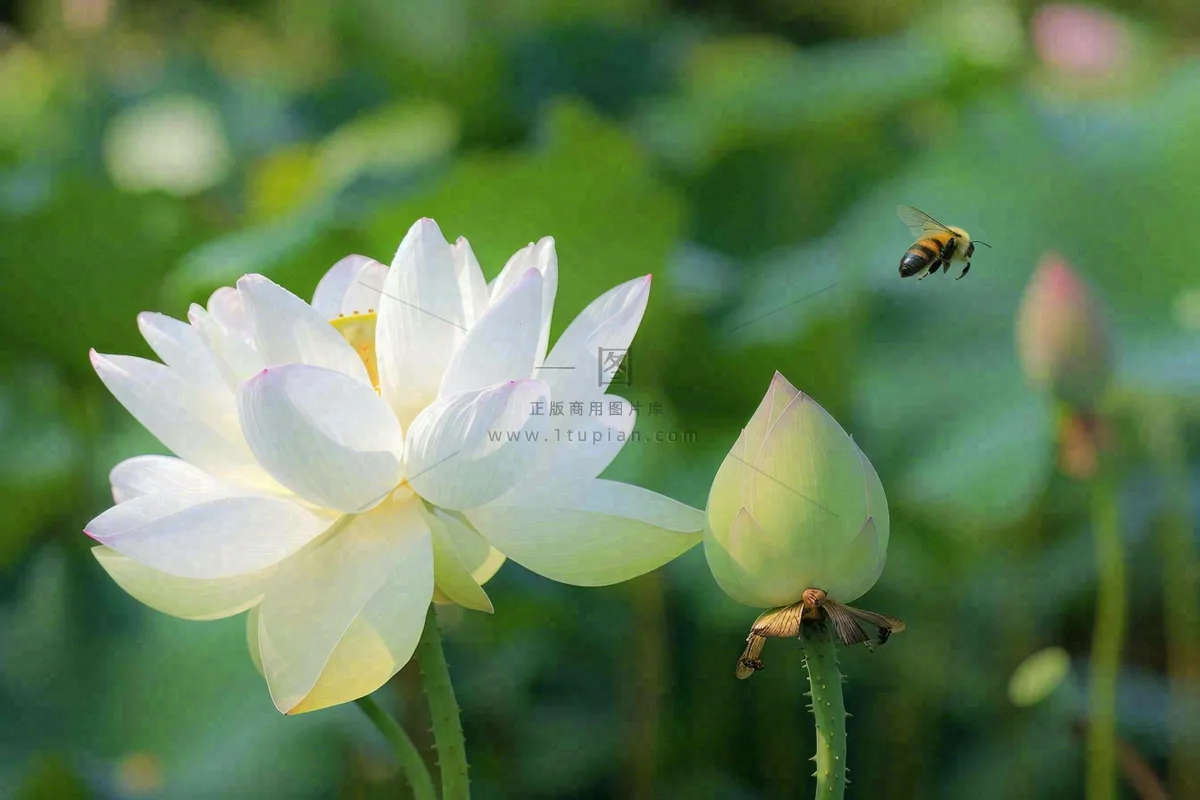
(33,634)
(78,270)
(301,240)
(40,454)
(741,89)
(200,700)
(613,68)
(267,249)
(984,471)
(282,182)
(50,777)
(27,81)
(392,138)
(1040,759)
(588,185)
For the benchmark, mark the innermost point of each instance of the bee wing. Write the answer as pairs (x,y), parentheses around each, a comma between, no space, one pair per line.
(918,222)
(844,624)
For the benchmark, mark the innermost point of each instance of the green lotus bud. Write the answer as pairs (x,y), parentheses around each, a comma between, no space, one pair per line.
(1062,335)
(795,506)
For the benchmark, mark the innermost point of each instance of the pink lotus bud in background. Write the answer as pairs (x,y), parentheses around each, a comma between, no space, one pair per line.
(1081,42)
(1062,335)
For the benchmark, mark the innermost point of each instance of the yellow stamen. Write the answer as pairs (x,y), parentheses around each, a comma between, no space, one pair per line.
(359,331)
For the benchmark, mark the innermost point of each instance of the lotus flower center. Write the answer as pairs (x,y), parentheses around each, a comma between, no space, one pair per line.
(359,331)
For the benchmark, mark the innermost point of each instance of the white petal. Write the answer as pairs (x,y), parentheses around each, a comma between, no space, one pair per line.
(619,499)
(142,475)
(608,324)
(864,548)
(343,617)
(184,420)
(531,256)
(469,448)
(548,264)
(590,533)
(364,294)
(544,259)
(421,320)
(583,447)
(502,345)
(480,558)
(288,330)
(235,356)
(252,639)
(204,535)
(327,437)
(331,289)
(780,395)
(189,598)
(226,307)
(741,572)
(181,348)
(350,287)
(517,265)
(450,575)
(470,281)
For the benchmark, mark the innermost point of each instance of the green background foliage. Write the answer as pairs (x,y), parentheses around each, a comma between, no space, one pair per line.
(749,155)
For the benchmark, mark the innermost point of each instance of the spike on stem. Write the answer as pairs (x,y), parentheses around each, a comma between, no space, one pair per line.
(411,764)
(829,711)
(443,709)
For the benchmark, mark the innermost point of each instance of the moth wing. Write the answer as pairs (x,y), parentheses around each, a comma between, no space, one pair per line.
(918,222)
(780,622)
(844,624)
(751,658)
(880,621)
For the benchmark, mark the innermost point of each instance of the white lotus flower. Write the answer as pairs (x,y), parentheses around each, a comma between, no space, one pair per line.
(332,479)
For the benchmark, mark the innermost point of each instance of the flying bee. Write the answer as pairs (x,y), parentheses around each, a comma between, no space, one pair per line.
(936,246)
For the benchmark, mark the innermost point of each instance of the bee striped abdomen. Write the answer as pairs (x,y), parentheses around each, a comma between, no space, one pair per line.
(927,252)
(918,257)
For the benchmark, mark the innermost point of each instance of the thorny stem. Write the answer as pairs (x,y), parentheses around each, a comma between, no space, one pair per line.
(828,708)
(1107,638)
(443,709)
(411,764)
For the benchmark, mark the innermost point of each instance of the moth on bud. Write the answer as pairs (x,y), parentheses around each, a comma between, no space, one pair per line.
(1062,335)
(797,521)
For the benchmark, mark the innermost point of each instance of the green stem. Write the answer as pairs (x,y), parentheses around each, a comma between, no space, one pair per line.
(411,763)
(1108,637)
(829,711)
(1165,441)
(443,709)
(645,688)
